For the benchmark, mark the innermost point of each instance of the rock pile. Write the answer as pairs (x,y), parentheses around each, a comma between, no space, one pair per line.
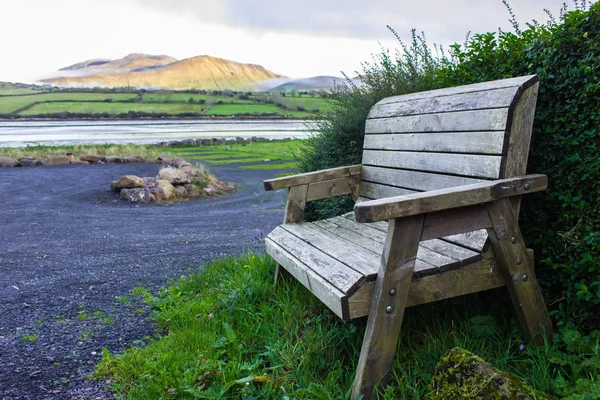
(62,160)
(176,180)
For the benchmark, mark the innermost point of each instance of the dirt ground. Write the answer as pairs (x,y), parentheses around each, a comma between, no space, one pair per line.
(70,251)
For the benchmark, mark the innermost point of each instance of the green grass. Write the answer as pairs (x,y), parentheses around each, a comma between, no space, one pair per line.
(15,91)
(233,109)
(29,337)
(229,334)
(113,108)
(275,165)
(9,104)
(184,98)
(149,152)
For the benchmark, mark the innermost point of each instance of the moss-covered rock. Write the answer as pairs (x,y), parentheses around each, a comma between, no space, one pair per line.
(463,375)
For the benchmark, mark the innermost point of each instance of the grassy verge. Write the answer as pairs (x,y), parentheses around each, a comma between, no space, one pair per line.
(228,334)
(9,104)
(283,152)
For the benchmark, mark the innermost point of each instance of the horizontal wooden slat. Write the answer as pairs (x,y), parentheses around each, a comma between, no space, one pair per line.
(460,121)
(478,166)
(515,83)
(478,100)
(357,258)
(340,276)
(311,177)
(453,142)
(454,221)
(330,188)
(444,199)
(376,191)
(483,275)
(414,180)
(321,288)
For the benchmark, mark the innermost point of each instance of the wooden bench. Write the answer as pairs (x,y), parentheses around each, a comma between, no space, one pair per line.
(438,196)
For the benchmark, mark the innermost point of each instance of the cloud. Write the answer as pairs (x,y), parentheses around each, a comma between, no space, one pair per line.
(445,21)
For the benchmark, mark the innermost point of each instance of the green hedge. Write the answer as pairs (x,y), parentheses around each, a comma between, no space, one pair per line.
(561,224)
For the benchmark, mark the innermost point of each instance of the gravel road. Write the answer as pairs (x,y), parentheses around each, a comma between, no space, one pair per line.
(69,248)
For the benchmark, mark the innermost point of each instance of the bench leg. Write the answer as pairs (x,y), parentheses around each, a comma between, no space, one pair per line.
(389,301)
(517,268)
(280,273)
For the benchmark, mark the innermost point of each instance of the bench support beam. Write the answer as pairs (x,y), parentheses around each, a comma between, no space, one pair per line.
(517,270)
(389,301)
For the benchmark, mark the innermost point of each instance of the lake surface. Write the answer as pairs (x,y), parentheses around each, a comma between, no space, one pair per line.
(53,133)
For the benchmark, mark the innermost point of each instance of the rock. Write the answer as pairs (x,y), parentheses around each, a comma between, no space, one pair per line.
(139,195)
(188,169)
(127,182)
(206,142)
(134,159)
(164,159)
(178,163)
(29,162)
(210,191)
(113,160)
(240,139)
(179,192)
(217,141)
(7,162)
(80,162)
(149,181)
(157,195)
(167,188)
(192,190)
(55,160)
(174,176)
(92,158)
(463,375)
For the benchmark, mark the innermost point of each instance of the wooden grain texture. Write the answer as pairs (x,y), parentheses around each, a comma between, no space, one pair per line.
(318,286)
(473,278)
(470,165)
(413,180)
(354,184)
(478,100)
(338,275)
(456,220)
(329,188)
(519,138)
(518,272)
(383,328)
(370,190)
(453,142)
(460,121)
(515,83)
(295,204)
(311,177)
(443,199)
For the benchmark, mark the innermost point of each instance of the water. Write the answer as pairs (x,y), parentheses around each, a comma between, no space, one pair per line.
(53,133)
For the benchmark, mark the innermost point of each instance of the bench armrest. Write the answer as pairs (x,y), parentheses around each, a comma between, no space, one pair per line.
(311,177)
(444,199)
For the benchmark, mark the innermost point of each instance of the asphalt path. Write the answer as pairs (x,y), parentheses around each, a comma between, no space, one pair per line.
(70,250)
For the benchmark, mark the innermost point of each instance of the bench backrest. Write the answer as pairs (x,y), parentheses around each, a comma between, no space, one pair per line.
(448,137)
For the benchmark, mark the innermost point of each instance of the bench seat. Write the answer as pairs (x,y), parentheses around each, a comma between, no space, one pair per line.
(338,259)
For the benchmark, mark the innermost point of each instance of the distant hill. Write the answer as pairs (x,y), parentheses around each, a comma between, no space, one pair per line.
(129,62)
(314,83)
(147,71)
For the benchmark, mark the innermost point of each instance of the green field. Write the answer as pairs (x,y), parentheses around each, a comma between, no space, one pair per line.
(9,104)
(233,109)
(112,108)
(185,97)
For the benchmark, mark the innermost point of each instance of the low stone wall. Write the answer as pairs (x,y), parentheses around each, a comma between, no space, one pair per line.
(68,159)
(216,141)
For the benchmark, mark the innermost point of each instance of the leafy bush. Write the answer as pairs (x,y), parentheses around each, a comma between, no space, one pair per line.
(563,223)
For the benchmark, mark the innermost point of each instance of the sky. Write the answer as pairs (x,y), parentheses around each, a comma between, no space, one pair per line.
(295,38)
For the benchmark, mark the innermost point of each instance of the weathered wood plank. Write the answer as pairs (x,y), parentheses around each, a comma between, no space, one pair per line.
(443,199)
(310,177)
(473,278)
(339,276)
(376,191)
(454,221)
(460,121)
(364,262)
(387,309)
(329,188)
(295,204)
(321,288)
(518,272)
(479,166)
(413,180)
(515,83)
(454,142)
(497,98)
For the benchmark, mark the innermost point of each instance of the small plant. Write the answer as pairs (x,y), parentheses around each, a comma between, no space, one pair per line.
(85,334)
(29,337)
(82,316)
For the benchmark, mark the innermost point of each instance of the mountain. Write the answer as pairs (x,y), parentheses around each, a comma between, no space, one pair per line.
(314,83)
(129,62)
(146,71)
